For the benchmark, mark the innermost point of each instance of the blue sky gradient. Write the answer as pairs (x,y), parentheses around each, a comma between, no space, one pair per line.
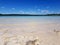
(29,6)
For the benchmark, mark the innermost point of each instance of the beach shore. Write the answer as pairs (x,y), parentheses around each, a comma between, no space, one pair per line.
(19,34)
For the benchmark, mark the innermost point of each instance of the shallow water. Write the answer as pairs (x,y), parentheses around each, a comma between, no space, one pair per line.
(23,19)
(30,23)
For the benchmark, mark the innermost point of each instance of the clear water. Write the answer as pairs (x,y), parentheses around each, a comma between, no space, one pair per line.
(29,23)
(24,19)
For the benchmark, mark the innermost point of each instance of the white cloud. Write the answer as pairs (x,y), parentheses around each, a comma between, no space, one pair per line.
(38,9)
(13,8)
(58,12)
(26,12)
(21,12)
(44,11)
(51,12)
(10,10)
(47,7)
(2,7)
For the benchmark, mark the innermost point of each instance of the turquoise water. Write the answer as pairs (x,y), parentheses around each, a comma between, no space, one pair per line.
(23,19)
(22,24)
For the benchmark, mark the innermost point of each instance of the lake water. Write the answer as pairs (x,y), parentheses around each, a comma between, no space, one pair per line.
(24,19)
(30,23)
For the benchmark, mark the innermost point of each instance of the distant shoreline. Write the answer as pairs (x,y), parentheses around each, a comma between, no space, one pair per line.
(29,15)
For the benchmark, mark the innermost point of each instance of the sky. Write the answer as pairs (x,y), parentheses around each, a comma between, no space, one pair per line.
(29,6)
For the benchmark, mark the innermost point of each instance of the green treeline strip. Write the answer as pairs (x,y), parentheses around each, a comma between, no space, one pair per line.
(29,15)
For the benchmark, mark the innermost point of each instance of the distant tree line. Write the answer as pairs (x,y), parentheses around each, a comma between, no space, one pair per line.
(29,15)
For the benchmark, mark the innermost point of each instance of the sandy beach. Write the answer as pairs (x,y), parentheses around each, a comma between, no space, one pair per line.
(19,34)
